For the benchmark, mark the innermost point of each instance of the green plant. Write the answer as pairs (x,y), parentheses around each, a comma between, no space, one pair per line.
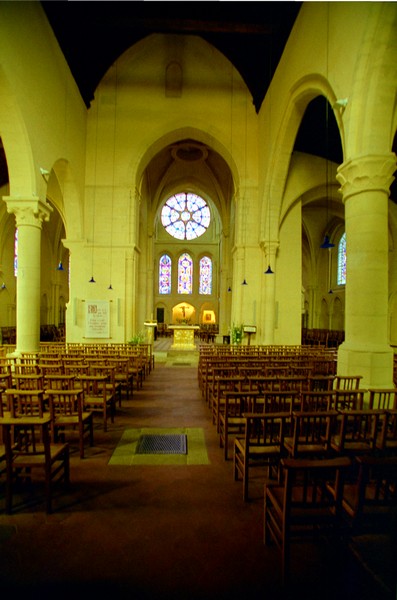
(236,334)
(138,338)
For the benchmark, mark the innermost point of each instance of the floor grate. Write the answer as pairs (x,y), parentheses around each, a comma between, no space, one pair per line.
(173,443)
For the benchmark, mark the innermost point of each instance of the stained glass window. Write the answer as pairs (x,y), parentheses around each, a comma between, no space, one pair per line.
(185,216)
(205,286)
(342,260)
(165,265)
(185,274)
(16,253)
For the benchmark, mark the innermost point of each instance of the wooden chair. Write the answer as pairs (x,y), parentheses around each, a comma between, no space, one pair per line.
(136,368)
(96,397)
(218,375)
(60,382)
(304,504)
(122,375)
(316,400)
(262,383)
(67,412)
(369,500)
(386,442)
(293,382)
(320,382)
(28,447)
(348,399)
(280,400)
(311,436)
(385,399)
(25,403)
(223,384)
(262,445)
(5,376)
(231,419)
(113,387)
(357,431)
(29,381)
(347,382)
(51,368)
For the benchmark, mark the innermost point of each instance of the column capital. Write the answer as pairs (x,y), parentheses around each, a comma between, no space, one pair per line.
(28,210)
(372,172)
(270,247)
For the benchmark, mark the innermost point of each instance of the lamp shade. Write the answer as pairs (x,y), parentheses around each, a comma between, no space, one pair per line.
(327,243)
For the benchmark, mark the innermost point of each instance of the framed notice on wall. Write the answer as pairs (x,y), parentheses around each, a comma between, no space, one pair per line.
(97,319)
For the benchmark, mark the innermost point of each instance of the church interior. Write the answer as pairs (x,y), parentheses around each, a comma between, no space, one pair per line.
(178,184)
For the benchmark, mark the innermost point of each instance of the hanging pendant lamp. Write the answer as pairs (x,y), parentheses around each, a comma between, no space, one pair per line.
(327,243)
(60,266)
(269,271)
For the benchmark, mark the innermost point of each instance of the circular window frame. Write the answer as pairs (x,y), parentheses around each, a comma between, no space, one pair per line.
(185,216)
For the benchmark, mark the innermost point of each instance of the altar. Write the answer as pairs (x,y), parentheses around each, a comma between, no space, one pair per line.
(183,337)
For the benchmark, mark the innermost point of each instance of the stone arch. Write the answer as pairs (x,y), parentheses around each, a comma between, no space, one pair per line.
(282,143)
(22,176)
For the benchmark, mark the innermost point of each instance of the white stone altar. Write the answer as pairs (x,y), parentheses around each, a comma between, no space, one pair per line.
(183,337)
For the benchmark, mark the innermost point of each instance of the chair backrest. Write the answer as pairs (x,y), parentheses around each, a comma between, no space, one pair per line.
(316,400)
(347,382)
(387,442)
(65,402)
(266,430)
(25,402)
(26,436)
(375,489)
(314,488)
(312,432)
(293,382)
(263,382)
(349,399)
(29,381)
(5,376)
(385,399)
(237,403)
(60,382)
(280,400)
(320,382)
(358,430)
(93,385)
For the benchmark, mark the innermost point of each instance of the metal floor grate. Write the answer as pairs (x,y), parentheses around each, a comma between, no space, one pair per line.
(172,443)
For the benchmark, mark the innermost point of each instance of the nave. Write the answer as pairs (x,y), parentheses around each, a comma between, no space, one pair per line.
(162,531)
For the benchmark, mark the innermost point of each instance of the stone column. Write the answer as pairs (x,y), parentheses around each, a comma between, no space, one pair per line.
(365,186)
(29,215)
(270,249)
(129,295)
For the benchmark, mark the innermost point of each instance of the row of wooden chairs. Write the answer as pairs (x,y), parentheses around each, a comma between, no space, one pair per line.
(322,497)
(266,438)
(327,448)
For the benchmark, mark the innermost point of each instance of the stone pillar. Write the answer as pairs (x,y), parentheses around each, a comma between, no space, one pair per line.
(29,215)
(129,295)
(365,186)
(270,249)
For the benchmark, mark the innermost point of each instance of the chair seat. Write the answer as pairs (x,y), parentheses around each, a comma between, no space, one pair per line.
(259,450)
(304,448)
(72,419)
(33,460)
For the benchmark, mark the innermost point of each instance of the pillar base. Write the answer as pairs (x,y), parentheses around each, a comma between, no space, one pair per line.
(375,364)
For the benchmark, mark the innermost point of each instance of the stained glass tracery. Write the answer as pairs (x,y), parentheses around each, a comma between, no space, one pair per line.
(205,286)
(16,253)
(341,280)
(165,266)
(185,216)
(185,274)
